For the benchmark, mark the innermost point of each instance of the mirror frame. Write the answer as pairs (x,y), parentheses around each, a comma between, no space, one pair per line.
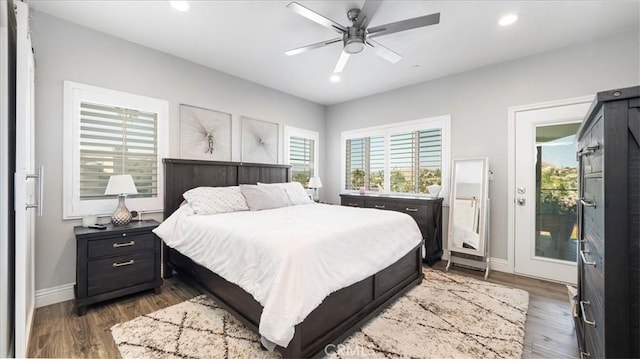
(484,202)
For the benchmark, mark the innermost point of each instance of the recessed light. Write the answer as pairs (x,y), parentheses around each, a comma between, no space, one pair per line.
(334,78)
(179,5)
(508,19)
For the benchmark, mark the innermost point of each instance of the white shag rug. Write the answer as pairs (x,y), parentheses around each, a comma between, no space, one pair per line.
(446,316)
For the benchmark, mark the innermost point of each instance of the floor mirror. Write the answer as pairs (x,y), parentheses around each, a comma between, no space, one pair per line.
(468,240)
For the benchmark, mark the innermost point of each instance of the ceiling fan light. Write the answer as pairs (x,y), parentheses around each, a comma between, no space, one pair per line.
(179,5)
(353,46)
(508,19)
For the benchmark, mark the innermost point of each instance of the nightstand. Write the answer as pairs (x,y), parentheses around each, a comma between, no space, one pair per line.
(116,261)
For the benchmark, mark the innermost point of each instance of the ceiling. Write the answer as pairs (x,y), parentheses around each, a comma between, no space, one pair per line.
(248,38)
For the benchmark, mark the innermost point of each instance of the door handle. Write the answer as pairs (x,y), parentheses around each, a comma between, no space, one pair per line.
(40,178)
(521,201)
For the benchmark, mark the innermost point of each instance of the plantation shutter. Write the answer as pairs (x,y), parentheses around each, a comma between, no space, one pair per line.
(115,140)
(365,163)
(415,160)
(355,153)
(301,158)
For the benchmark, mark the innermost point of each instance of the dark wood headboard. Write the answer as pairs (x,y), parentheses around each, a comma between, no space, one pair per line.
(182,175)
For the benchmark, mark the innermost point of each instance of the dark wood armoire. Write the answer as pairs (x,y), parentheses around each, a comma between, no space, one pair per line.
(608,322)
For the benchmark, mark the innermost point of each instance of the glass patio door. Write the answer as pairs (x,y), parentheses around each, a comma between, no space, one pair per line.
(546,234)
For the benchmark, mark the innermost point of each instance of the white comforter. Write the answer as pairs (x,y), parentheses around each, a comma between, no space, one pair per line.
(291,258)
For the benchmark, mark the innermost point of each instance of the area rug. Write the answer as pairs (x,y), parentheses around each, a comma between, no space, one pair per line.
(447,316)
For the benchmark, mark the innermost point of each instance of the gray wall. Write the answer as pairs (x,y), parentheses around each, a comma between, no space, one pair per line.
(478,102)
(65,51)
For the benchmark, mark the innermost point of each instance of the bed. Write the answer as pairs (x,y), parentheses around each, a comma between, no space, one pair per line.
(339,314)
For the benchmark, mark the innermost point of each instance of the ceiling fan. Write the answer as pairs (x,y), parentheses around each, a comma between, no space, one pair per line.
(358,36)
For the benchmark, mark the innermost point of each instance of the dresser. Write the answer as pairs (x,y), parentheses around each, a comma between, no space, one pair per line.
(116,261)
(427,213)
(608,322)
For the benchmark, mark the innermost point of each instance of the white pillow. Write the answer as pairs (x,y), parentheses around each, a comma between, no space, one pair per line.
(264,197)
(296,194)
(212,200)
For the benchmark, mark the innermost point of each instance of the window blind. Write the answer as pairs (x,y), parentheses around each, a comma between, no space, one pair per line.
(365,158)
(115,140)
(415,160)
(301,158)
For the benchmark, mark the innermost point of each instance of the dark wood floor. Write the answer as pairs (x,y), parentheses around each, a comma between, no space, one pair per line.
(58,332)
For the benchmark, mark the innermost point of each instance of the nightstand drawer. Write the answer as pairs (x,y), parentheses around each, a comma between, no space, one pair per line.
(123,244)
(113,273)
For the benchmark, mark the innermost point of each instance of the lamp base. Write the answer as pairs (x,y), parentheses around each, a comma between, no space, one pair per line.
(121,216)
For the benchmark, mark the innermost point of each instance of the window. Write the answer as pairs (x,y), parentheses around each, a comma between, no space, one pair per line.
(301,152)
(107,133)
(405,157)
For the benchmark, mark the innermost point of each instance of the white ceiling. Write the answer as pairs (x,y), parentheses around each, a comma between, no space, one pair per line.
(248,38)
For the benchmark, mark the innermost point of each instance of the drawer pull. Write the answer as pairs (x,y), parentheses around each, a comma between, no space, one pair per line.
(584,314)
(378,206)
(128,244)
(587,203)
(588,150)
(583,254)
(352,204)
(411,209)
(584,355)
(122,264)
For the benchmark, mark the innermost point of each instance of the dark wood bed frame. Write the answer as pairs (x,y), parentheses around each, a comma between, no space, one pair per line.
(339,315)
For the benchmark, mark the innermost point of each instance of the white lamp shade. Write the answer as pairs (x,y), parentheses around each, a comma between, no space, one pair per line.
(121,184)
(315,182)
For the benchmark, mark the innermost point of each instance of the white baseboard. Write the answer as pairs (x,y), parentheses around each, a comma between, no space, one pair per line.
(54,295)
(496,264)
(499,265)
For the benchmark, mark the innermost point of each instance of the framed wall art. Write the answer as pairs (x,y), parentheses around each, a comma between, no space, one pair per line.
(204,134)
(259,141)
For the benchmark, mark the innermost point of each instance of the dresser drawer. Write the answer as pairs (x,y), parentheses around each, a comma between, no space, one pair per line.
(593,208)
(381,204)
(123,244)
(105,275)
(593,149)
(593,297)
(593,247)
(419,212)
(352,202)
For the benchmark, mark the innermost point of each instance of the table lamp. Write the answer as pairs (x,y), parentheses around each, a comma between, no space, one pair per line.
(315,183)
(122,185)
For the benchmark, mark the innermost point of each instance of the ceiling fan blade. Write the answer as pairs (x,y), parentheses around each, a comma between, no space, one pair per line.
(317,18)
(318,45)
(383,52)
(404,25)
(369,9)
(342,62)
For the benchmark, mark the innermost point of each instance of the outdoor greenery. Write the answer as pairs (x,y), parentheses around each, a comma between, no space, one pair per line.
(302,177)
(558,190)
(401,181)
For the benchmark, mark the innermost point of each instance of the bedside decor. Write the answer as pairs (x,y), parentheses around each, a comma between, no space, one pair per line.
(204,134)
(315,183)
(122,185)
(259,141)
